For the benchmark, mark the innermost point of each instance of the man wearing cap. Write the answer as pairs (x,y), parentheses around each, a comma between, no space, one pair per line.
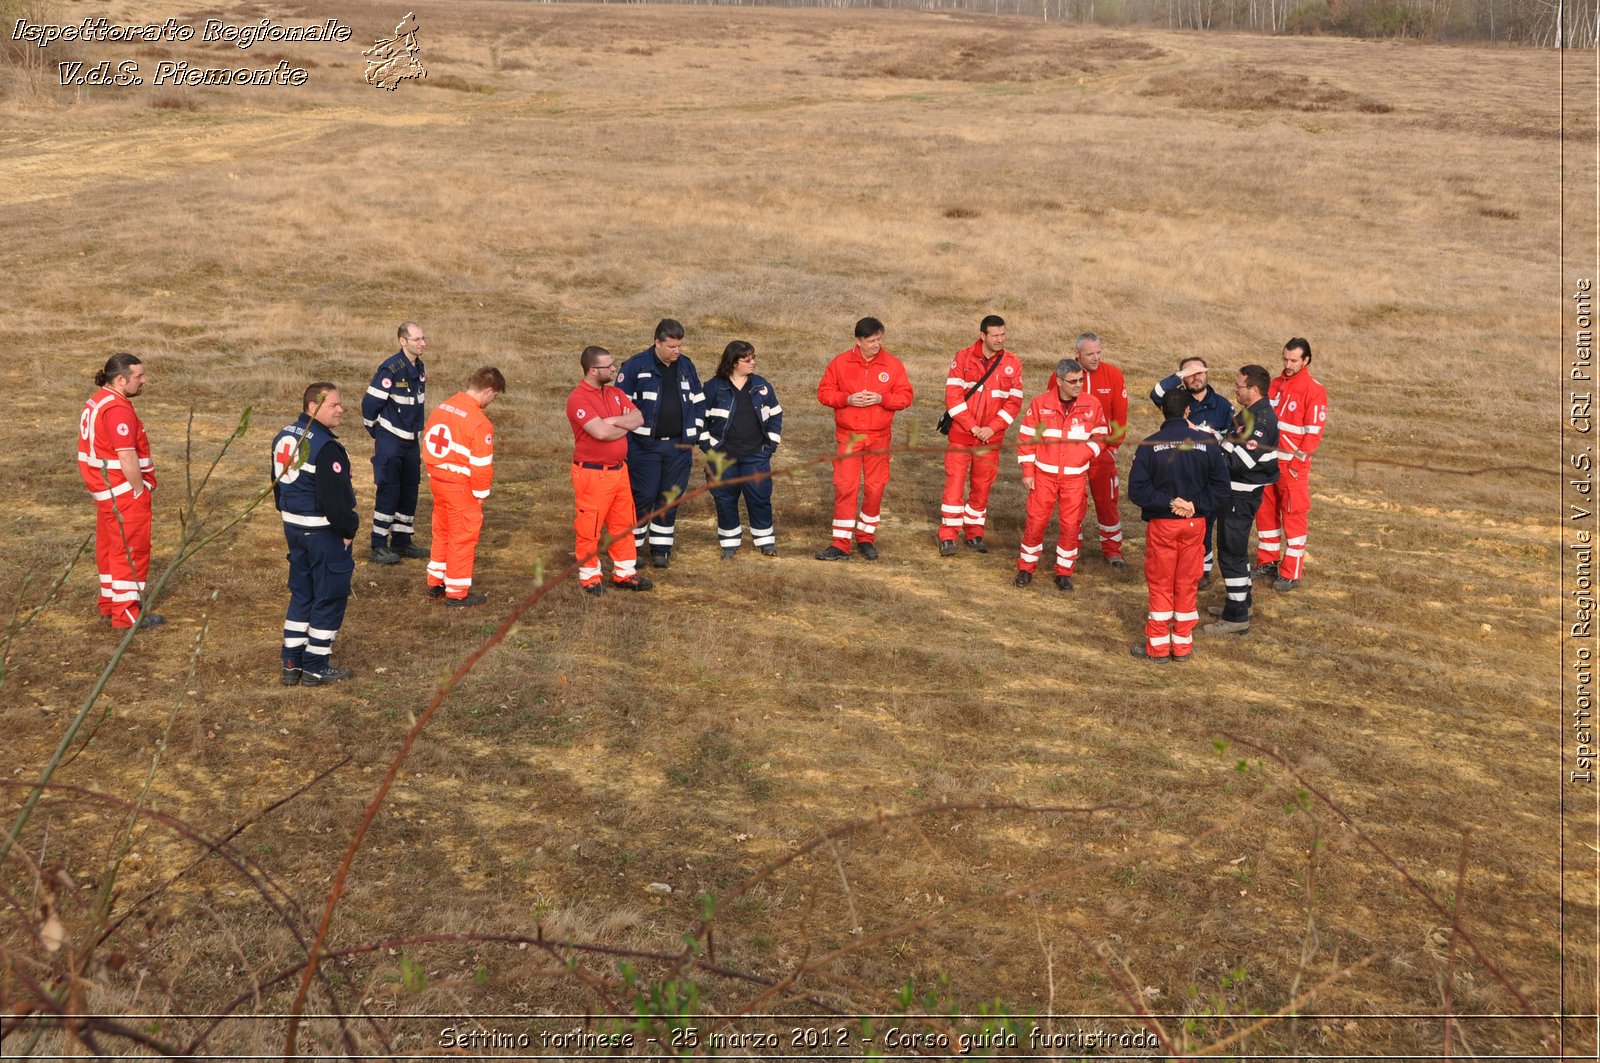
(601,417)
(1178,478)
(1209,412)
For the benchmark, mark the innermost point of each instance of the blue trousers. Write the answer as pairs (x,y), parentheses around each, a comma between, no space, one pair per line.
(655,467)
(397,470)
(757,496)
(320,566)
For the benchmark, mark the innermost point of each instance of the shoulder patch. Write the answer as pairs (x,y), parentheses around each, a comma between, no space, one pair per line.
(122,429)
(1011,370)
(337,467)
(488,439)
(582,413)
(387,382)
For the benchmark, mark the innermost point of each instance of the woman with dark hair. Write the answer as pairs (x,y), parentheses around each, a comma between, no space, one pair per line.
(744,425)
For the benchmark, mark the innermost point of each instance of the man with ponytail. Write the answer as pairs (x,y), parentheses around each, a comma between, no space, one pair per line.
(114,459)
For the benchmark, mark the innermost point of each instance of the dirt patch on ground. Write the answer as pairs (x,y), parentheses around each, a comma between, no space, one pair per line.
(1001,58)
(1251,88)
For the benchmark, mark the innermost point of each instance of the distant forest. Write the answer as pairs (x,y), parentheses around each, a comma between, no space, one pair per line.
(1540,23)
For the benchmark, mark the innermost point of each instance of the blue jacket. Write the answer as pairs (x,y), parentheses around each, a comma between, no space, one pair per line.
(311,479)
(720,396)
(395,402)
(1178,462)
(1213,412)
(1252,449)
(639,380)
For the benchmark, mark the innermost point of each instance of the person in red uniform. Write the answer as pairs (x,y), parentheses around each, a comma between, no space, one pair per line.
(982,398)
(1301,404)
(865,386)
(601,417)
(1103,382)
(458,449)
(114,460)
(1062,433)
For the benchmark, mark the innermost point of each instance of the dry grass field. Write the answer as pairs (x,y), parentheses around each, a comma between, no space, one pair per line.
(567,175)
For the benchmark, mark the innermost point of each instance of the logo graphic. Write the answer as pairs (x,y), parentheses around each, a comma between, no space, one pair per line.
(1011,370)
(883,378)
(83,424)
(761,391)
(122,429)
(337,467)
(439,441)
(386,382)
(284,465)
(392,60)
(1291,407)
(488,440)
(582,414)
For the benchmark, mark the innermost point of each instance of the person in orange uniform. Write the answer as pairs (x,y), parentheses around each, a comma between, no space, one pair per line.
(1062,433)
(114,460)
(865,387)
(458,449)
(1301,404)
(1103,382)
(601,417)
(982,398)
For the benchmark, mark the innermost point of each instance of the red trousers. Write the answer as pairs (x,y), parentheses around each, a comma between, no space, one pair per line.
(122,553)
(850,469)
(1050,491)
(1103,485)
(605,501)
(1174,559)
(960,468)
(1281,521)
(457,523)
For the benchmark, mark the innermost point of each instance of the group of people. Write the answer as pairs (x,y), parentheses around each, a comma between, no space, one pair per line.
(1210,472)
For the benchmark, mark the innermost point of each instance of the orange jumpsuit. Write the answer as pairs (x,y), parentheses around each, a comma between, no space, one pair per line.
(458,450)
(995,405)
(600,485)
(121,546)
(858,428)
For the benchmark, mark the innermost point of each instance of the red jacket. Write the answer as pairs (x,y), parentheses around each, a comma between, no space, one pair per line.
(1107,386)
(458,445)
(1302,408)
(995,405)
(849,373)
(108,425)
(1055,439)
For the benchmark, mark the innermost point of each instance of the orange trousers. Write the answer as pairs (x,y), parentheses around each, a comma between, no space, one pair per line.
(457,523)
(869,473)
(605,501)
(1283,519)
(122,552)
(1052,491)
(1174,559)
(981,467)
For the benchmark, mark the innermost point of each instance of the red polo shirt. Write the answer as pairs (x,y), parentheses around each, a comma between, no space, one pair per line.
(588,401)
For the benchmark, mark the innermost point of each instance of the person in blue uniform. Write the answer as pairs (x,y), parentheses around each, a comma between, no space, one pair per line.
(311,484)
(1252,450)
(663,384)
(393,411)
(1209,412)
(744,425)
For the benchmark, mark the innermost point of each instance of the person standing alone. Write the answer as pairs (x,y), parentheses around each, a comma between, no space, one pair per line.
(393,411)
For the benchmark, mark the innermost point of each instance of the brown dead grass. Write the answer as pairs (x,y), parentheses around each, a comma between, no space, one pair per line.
(695,734)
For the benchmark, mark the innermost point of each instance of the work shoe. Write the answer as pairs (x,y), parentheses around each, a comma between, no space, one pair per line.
(977,543)
(728,552)
(382,555)
(596,590)
(1228,627)
(832,553)
(769,551)
(1214,611)
(475,598)
(291,676)
(868,551)
(1064,584)
(149,620)
(330,674)
(632,583)
(1182,658)
(411,550)
(1205,582)
(1117,562)
(1265,571)
(1138,650)
(1281,584)
(660,560)
(436,591)
(947,547)
(1024,578)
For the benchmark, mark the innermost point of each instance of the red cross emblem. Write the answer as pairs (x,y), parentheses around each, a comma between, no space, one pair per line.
(283,460)
(439,441)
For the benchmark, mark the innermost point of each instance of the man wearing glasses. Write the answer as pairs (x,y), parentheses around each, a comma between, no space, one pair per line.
(601,417)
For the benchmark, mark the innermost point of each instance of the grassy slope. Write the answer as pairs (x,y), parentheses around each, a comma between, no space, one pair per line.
(771,176)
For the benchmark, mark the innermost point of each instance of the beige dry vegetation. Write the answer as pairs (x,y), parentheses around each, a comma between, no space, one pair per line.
(772,175)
